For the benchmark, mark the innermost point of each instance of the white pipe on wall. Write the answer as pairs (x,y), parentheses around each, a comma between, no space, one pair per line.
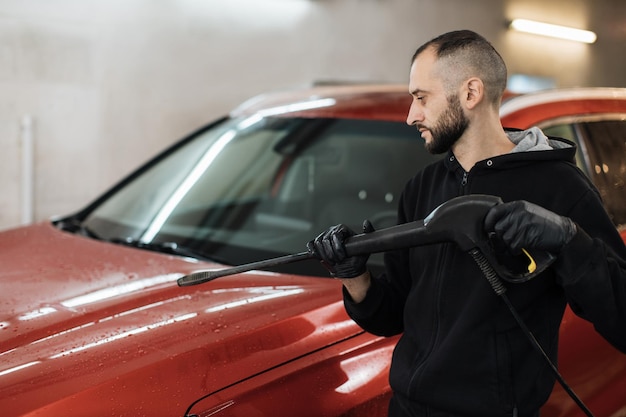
(28,170)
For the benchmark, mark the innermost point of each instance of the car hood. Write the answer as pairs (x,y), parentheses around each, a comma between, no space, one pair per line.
(88,322)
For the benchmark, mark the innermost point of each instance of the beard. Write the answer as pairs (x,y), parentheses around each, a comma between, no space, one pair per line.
(449,128)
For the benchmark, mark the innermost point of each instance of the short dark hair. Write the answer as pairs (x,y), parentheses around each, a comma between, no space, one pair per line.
(467,54)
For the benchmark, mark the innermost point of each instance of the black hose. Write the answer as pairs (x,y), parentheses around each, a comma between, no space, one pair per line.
(500,289)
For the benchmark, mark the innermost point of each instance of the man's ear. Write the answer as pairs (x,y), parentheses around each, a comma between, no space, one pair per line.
(475,92)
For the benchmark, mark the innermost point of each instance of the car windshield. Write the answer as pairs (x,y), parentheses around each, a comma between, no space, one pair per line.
(251,188)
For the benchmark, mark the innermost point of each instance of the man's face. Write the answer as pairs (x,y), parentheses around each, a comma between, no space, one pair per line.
(437,115)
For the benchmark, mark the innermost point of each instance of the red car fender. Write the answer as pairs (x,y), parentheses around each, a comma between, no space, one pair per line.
(347,379)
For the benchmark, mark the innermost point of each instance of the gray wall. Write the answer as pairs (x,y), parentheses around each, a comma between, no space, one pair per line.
(108,83)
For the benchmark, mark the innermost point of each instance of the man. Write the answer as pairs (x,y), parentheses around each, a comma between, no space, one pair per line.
(461,352)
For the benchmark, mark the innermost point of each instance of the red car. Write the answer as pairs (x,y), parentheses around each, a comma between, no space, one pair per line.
(93,322)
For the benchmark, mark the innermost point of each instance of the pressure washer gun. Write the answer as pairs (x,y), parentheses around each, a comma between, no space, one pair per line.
(459,220)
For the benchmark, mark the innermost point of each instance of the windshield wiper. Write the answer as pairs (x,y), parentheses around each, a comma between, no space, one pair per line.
(73,225)
(171,248)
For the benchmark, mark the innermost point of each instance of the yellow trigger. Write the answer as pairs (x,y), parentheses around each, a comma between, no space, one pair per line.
(532,265)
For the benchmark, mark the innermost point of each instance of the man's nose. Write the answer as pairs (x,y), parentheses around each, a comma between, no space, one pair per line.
(415,115)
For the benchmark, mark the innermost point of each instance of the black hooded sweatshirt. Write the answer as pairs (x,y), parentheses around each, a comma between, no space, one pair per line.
(461,352)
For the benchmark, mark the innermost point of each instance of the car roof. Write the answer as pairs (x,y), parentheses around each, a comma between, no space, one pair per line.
(375,101)
(391,102)
(525,110)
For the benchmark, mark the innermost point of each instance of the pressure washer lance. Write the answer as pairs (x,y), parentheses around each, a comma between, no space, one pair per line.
(459,220)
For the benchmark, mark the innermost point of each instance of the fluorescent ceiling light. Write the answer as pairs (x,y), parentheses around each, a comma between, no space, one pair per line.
(555,31)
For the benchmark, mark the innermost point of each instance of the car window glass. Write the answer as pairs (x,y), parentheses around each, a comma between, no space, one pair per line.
(602,156)
(606,144)
(178,183)
(252,188)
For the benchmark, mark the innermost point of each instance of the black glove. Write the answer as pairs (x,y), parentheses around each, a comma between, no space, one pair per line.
(521,224)
(329,248)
